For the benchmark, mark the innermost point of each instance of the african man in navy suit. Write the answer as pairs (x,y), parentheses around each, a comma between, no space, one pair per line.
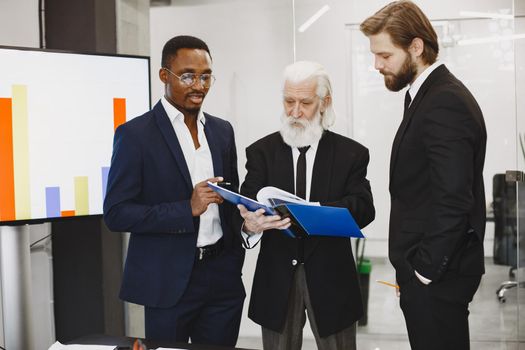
(185,256)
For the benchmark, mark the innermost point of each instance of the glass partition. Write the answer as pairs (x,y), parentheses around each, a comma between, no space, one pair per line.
(519,50)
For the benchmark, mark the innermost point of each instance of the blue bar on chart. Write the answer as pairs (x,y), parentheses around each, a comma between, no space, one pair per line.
(53,202)
(105,173)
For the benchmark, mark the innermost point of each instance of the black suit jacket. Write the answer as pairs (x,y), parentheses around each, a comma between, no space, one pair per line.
(339,179)
(148,194)
(437,220)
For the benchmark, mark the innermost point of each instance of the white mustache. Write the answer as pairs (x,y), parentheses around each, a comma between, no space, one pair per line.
(293,120)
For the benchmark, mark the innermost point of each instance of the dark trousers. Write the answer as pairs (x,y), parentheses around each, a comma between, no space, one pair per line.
(292,336)
(436,315)
(210,310)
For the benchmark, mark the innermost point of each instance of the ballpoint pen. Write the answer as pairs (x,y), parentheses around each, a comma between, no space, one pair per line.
(388,284)
(139,345)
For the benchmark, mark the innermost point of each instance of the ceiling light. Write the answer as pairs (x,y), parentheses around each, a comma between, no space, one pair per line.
(490,39)
(314,18)
(485,15)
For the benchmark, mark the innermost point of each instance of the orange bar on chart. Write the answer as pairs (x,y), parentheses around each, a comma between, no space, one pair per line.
(65,213)
(7,172)
(119,112)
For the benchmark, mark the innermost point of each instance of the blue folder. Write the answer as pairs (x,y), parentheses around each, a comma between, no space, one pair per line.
(306,219)
(236,198)
(250,204)
(321,220)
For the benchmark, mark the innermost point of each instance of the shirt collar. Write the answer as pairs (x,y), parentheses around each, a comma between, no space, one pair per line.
(313,146)
(414,87)
(174,114)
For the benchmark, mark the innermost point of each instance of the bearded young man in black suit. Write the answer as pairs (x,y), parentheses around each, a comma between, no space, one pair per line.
(316,274)
(437,220)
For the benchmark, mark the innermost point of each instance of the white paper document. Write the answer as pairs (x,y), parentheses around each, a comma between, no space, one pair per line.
(267,196)
(58,346)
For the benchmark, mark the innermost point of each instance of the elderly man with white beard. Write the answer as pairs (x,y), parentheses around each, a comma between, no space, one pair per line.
(312,276)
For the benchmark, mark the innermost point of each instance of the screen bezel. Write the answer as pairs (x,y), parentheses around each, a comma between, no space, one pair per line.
(19,48)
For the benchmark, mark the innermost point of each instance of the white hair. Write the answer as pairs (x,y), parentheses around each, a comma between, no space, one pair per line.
(307,70)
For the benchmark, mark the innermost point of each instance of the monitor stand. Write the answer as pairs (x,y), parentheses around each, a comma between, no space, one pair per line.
(15,268)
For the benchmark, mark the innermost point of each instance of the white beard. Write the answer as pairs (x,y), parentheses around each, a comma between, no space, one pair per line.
(298,132)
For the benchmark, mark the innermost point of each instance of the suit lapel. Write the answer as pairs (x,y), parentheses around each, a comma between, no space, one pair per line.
(213,145)
(397,140)
(322,170)
(169,135)
(409,113)
(283,162)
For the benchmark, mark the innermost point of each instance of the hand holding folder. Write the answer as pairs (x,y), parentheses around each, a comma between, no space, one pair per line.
(307,218)
(236,198)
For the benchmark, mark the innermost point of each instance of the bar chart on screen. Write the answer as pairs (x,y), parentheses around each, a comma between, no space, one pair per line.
(58,116)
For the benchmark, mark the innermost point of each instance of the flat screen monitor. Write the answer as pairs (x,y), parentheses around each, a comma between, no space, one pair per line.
(58,115)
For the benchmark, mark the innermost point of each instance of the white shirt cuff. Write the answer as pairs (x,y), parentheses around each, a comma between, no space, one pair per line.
(250,240)
(423,280)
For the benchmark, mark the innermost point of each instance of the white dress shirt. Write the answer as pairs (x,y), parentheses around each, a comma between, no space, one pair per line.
(414,87)
(200,166)
(252,240)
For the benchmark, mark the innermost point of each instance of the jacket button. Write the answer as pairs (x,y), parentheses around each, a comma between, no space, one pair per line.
(294,262)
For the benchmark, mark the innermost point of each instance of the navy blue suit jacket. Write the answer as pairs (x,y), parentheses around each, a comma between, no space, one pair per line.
(148,194)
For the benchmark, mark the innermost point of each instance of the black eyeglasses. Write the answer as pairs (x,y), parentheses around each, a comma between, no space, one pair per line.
(189,79)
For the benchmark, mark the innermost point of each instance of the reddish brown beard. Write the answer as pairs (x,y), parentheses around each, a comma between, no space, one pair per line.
(396,82)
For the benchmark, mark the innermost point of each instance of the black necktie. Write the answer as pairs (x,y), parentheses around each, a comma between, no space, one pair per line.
(300,183)
(408,99)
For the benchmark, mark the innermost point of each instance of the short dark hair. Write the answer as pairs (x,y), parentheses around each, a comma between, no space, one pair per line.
(403,21)
(181,42)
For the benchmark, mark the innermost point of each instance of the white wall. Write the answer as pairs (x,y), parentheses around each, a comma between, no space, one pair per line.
(133,27)
(19,23)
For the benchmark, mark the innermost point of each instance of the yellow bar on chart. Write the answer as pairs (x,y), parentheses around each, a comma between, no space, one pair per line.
(81,195)
(21,152)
